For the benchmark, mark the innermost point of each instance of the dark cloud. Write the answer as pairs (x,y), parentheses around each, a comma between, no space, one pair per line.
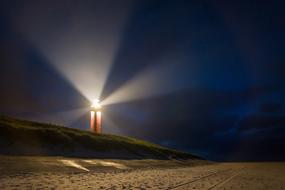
(271,107)
(262,122)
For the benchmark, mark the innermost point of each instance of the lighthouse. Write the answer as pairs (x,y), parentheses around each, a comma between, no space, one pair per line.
(96,117)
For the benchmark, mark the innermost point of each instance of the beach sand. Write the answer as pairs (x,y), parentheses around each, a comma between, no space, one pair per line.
(75,173)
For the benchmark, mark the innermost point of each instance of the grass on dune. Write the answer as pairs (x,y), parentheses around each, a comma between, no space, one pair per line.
(34,138)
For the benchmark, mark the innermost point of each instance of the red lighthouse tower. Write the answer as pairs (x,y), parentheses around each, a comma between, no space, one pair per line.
(96,117)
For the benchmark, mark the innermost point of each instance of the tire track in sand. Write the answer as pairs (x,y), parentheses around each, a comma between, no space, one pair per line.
(208,177)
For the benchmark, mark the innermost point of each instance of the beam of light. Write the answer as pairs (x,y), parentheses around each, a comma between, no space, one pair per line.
(81,42)
(153,81)
(107,164)
(72,163)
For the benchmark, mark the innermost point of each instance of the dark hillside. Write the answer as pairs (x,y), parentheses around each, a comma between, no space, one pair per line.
(21,137)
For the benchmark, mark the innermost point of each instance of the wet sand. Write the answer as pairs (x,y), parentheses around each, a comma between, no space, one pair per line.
(70,173)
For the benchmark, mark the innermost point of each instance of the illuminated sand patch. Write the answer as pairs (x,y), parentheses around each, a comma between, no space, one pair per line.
(108,164)
(72,163)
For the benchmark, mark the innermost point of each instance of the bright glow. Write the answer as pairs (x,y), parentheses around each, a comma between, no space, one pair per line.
(96,104)
(81,48)
(84,45)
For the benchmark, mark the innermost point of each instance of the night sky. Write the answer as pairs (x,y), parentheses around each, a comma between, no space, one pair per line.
(207,77)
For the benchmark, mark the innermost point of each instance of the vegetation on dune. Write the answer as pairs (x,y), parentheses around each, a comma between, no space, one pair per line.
(23,137)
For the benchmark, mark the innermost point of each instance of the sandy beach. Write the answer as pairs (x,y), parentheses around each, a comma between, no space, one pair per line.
(71,173)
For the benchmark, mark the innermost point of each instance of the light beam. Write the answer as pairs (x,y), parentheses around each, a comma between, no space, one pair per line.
(82,43)
(154,81)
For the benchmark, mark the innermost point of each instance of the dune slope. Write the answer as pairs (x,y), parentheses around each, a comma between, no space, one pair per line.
(21,137)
